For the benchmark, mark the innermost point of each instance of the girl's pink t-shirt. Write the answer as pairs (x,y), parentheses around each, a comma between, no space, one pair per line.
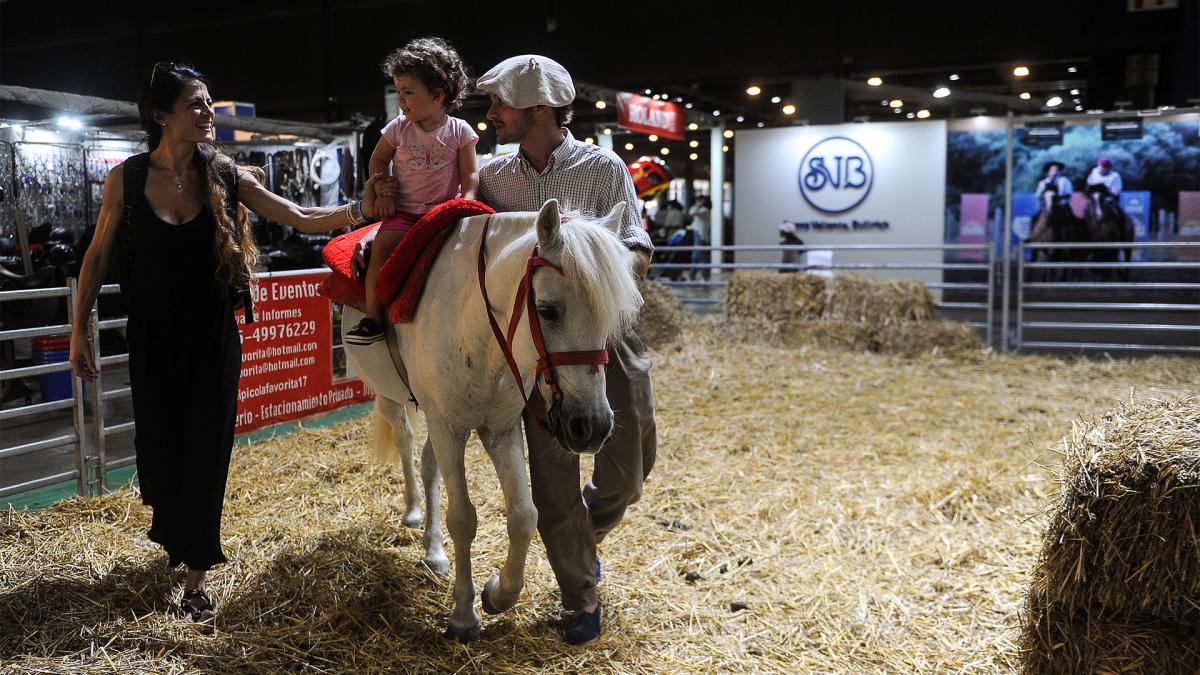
(426,162)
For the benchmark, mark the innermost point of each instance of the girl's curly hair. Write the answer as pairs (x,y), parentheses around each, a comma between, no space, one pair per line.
(436,63)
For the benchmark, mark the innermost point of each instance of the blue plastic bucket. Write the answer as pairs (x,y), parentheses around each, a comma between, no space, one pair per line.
(55,386)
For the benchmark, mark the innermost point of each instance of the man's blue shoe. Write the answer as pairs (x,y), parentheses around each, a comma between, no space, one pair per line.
(583,627)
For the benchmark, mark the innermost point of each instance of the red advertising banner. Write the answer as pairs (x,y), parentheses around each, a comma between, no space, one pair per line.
(645,115)
(287,354)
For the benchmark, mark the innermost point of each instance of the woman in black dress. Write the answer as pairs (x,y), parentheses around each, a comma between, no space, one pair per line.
(186,260)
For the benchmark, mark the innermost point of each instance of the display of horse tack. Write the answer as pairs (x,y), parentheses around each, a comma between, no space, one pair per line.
(463,379)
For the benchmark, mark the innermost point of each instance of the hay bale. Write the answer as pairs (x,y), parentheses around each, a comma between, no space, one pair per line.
(1118,580)
(662,317)
(859,297)
(777,297)
(908,338)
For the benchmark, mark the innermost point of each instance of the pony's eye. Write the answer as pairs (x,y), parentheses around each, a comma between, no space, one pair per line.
(548,312)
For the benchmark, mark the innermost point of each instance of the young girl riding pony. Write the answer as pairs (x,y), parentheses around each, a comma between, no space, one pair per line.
(432,156)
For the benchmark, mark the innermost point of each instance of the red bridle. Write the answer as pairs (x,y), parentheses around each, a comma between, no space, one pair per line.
(546,361)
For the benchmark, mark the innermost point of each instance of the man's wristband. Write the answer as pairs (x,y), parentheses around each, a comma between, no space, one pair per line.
(354,212)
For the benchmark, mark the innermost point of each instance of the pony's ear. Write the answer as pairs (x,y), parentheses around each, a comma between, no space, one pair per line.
(613,220)
(547,225)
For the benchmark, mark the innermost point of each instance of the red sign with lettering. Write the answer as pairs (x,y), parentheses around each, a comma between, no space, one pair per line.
(645,115)
(287,354)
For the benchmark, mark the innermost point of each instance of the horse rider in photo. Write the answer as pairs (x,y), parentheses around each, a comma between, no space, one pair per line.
(1055,180)
(1104,174)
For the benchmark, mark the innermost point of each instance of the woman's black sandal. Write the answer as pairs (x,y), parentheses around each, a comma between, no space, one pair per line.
(196,613)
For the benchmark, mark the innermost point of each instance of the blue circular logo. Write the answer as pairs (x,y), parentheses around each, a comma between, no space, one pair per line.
(836,175)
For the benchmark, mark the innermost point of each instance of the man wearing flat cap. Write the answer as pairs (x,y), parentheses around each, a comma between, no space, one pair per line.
(1054,181)
(531,105)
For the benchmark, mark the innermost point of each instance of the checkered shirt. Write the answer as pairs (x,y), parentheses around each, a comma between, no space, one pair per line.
(581,176)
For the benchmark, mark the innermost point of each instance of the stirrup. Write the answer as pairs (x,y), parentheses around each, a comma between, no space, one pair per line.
(196,613)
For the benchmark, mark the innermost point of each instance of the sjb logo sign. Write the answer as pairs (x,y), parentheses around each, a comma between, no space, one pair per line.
(836,175)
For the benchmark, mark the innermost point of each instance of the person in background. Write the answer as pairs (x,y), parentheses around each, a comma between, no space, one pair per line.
(701,226)
(788,237)
(1103,174)
(1056,181)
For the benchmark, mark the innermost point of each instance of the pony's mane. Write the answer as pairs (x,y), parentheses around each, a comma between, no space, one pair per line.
(597,261)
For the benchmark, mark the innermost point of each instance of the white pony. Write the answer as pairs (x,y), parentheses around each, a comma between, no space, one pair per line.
(463,380)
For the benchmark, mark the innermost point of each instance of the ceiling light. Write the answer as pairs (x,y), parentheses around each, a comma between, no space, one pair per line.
(775,99)
(1020,71)
(653,138)
(910,115)
(1079,108)
(922,114)
(896,103)
(741,118)
(754,90)
(693,126)
(1072,69)
(728,133)
(897,110)
(482,126)
(629,146)
(665,151)
(694,144)
(724,148)
(1024,95)
(875,81)
(954,77)
(884,102)
(941,92)
(1053,101)
(760,125)
(589,140)
(601,104)
(648,92)
(789,109)
(656,97)
(679,99)
(716,113)
(688,105)
(607,131)
(1074,92)
(693,156)
(67,122)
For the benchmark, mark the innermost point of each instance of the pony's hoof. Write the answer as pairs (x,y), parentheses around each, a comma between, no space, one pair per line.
(439,566)
(463,635)
(413,520)
(485,596)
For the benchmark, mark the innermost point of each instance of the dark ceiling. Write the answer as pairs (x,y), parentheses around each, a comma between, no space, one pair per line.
(317,60)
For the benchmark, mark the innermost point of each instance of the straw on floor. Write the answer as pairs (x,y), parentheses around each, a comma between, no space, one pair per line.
(811,510)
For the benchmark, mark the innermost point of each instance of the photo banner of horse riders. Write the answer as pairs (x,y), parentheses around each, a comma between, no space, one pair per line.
(1142,187)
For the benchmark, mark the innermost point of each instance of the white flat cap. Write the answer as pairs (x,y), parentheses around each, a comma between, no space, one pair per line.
(529,80)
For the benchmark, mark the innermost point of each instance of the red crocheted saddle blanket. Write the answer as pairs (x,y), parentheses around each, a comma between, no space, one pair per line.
(402,278)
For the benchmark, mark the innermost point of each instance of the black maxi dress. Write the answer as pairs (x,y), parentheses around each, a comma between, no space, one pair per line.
(184,362)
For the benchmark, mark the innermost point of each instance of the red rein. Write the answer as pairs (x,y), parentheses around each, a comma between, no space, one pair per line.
(546,361)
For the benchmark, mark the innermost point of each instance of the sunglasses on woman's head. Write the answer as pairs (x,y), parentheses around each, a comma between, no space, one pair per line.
(166,65)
